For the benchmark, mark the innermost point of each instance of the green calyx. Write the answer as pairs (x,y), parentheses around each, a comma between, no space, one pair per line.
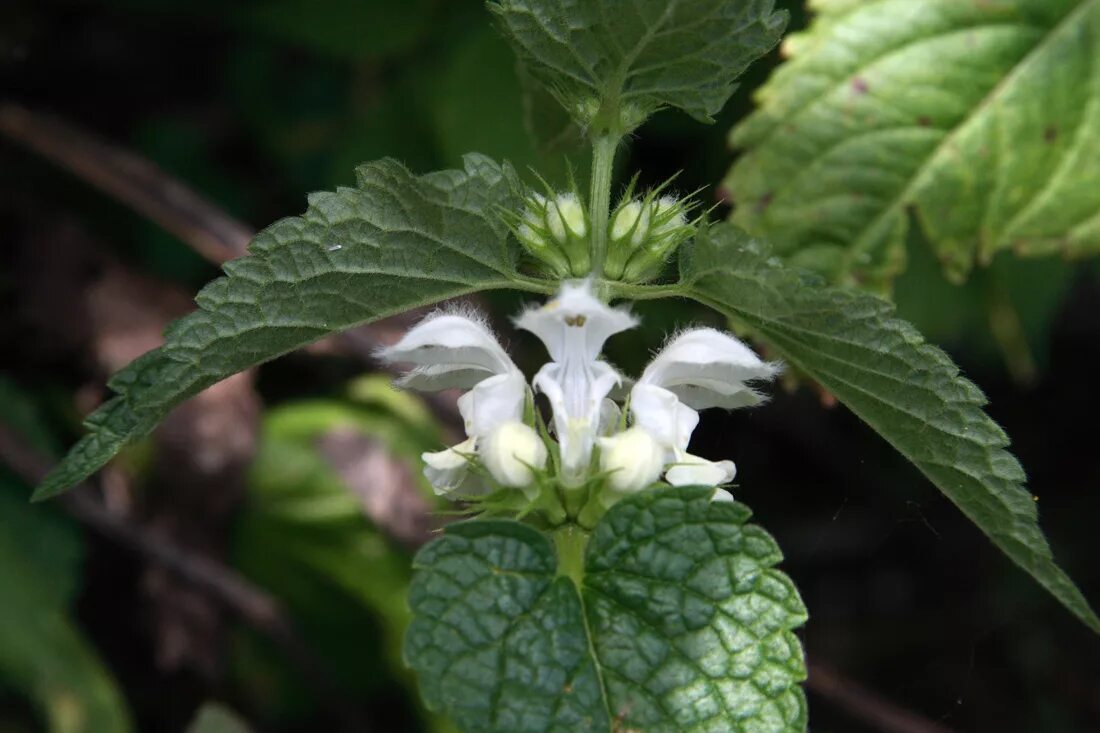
(645,232)
(554,230)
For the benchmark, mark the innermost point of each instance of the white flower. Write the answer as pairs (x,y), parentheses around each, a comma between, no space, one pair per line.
(511,452)
(448,470)
(455,350)
(632,459)
(691,470)
(698,369)
(574,327)
(705,368)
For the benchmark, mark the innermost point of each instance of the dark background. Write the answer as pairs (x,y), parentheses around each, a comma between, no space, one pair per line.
(254,104)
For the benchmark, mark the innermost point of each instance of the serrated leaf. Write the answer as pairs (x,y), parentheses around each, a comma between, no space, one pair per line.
(393,242)
(680,624)
(979,119)
(907,390)
(603,58)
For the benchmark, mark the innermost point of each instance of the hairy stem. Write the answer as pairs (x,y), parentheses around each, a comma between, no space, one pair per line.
(599,197)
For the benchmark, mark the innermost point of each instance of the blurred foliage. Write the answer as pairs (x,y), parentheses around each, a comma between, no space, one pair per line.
(303,536)
(213,718)
(42,653)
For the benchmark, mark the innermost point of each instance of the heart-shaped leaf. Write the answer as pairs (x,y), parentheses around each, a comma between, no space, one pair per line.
(678,623)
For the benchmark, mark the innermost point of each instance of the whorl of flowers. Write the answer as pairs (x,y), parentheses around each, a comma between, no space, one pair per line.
(602,441)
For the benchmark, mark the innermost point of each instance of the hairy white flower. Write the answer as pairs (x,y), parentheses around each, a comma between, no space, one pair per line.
(455,350)
(632,459)
(511,452)
(698,369)
(574,327)
(705,368)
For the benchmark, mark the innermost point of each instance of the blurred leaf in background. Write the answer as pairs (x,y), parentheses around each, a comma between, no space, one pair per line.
(972,123)
(214,718)
(306,537)
(43,655)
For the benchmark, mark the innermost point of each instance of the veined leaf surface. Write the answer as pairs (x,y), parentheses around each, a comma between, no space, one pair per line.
(393,242)
(980,121)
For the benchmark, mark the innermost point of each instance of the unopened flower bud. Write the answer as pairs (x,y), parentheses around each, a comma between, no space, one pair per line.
(632,459)
(629,225)
(667,228)
(568,214)
(668,216)
(511,453)
(626,224)
(555,232)
(643,233)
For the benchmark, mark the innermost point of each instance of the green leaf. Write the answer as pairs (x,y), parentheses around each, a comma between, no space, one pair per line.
(613,63)
(214,718)
(42,653)
(306,538)
(393,242)
(978,119)
(679,624)
(881,368)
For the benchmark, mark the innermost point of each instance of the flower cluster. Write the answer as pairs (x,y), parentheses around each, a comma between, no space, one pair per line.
(593,453)
(642,233)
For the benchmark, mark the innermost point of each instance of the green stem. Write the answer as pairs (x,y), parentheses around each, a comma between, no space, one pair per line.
(570,542)
(599,196)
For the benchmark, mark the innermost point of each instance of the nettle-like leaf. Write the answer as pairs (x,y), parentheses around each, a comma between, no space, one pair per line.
(618,62)
(981,120)
(679,623)
(393,242)
(907,390)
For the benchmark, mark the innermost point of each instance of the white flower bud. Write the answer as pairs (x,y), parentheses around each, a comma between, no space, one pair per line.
(510,452)
(670,215)
(567,213)
(625,220)
(632,459)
